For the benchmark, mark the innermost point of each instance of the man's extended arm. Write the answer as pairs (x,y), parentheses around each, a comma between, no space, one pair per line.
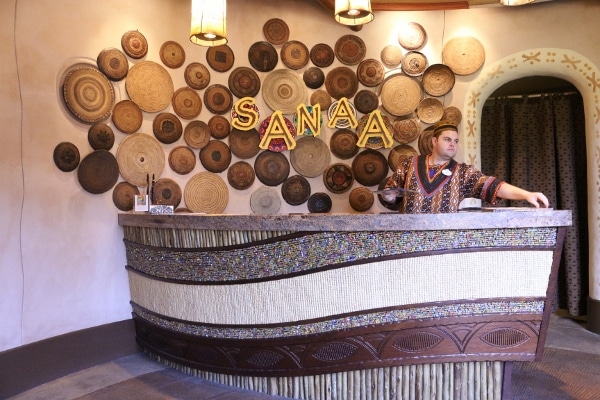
(511,192)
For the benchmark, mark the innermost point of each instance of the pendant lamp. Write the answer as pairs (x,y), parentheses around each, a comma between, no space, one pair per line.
(209,27)
(515,2)
(353,12)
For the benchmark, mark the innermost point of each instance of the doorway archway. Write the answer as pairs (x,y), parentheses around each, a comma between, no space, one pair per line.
(585,76)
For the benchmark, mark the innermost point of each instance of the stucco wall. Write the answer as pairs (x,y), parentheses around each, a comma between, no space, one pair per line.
(61,253)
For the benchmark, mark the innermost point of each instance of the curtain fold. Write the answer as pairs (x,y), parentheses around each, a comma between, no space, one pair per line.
(538,143)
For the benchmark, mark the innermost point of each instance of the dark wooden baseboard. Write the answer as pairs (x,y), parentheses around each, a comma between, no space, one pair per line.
(37,363)
(593,315)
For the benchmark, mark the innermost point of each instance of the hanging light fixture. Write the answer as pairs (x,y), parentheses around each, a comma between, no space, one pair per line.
(515,2)
(353,12)
(209,27)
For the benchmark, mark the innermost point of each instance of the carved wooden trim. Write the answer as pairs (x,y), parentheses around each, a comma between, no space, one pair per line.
(473,338)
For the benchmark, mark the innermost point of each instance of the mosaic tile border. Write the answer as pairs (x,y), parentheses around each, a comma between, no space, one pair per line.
(292,254)
(426,312)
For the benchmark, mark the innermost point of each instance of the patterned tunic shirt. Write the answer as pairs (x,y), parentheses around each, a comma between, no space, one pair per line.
(441,189)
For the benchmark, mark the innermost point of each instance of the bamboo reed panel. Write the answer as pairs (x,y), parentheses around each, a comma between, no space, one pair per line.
(196,238)
(445,381)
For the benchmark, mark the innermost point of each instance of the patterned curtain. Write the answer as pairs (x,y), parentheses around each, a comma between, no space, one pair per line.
(538,143)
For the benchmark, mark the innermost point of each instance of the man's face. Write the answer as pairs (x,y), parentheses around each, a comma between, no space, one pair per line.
(445,146)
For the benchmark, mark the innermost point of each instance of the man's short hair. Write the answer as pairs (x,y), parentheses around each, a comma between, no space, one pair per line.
(441,126)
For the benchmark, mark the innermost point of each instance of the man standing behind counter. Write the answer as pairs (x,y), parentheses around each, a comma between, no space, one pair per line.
(436,183)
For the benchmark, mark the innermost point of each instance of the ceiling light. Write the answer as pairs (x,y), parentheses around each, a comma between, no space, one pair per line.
(515,2)
(208,27)
(353,12)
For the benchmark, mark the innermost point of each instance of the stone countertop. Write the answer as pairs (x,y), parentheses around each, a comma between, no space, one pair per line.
(473,219)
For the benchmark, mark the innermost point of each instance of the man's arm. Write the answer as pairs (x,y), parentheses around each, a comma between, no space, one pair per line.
(510,192)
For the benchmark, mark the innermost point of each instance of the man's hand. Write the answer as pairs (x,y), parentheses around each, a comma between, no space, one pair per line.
(535,198)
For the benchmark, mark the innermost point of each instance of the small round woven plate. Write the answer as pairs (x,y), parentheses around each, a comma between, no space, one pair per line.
(398,153)
(338,178)
(101,137)
(186,103)
(140,155)
(322,98)
(452,114)
(295,190)
(150,86)
(167,128)
(206,193)
(438,80)
(197,76)
(240,175)
(244,82)
(244,144)
(414,63)
(196,134)
(425,145)
(88,94)
(127,116)
(322,55)
(182,160)
(276,31)
(430,110)
(215,156)
(134,44)
(319,203)
(343,144)
(66,156)
(263,57)
(341,82)
(123,195)
(283,90)
(294,54)
(265,200)
(370,72)
(310,157)
(98,172)
(369,167)
(366,101)
(313,77)
(271,168)
(113,63)
(219,127)
(412,36)
(350,49)
(400,95)
(391,56)
(220,58)
(464,55)
(167,192)
(361,199)
(172,54)
(218,99)
(405,130)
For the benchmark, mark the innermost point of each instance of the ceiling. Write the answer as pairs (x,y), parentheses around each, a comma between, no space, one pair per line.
(422,5)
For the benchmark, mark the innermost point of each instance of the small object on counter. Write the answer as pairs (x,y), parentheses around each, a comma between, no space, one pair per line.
(162,209)
(152,199)
(399,192)
(141,203)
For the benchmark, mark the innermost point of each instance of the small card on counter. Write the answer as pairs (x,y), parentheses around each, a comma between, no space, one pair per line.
(141,202)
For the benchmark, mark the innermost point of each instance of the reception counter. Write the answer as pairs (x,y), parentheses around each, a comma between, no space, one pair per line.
(346,306)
